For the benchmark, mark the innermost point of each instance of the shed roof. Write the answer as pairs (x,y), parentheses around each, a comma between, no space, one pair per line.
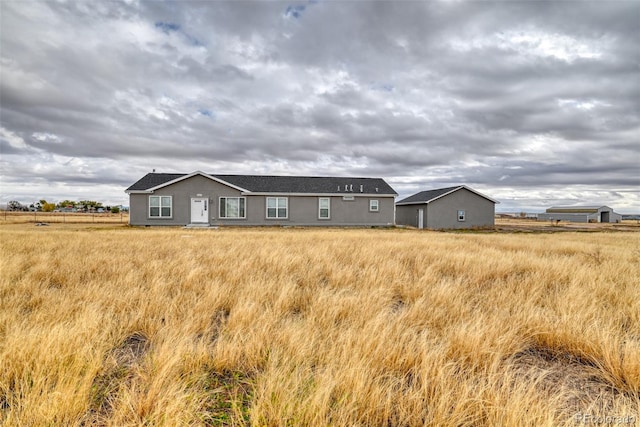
(429,196)
(273,183)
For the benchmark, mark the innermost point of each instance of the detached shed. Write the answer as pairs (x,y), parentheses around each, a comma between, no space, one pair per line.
(580,214)
(451,207)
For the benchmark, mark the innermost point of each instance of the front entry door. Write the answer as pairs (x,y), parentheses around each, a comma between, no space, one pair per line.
(199,209)
(421,218)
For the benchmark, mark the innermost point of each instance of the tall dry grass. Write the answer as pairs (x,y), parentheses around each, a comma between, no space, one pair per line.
(316,327)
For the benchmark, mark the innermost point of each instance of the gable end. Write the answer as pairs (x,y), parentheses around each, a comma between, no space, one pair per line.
(152,182)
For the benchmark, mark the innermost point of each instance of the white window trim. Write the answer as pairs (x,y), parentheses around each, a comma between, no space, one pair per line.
(377,207)
(464,215)
(328,199)
(266,212)
(160,216)
(225,209)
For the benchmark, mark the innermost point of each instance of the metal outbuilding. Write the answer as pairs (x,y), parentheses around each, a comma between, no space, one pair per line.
(580,214)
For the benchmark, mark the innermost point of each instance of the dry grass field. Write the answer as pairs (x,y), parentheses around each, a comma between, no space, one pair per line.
(118,326)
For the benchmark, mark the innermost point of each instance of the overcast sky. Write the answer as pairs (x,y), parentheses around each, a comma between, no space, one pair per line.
(533,103)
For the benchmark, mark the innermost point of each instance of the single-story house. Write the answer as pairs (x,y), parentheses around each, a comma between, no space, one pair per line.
(580,214)
(200,198)
(445,208)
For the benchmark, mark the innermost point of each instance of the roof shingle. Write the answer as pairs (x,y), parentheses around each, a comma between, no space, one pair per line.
(427,196)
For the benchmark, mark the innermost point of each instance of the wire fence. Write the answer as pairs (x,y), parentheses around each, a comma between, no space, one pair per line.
(64,217)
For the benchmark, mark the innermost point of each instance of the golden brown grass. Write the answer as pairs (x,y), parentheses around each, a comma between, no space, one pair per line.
(278,327)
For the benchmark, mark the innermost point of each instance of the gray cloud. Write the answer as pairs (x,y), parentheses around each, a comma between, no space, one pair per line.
(535,103)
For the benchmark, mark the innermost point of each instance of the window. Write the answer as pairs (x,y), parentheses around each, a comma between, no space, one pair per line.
(324,206)
(277,207)
(232,207)
(160,206)
(374,206)
(461,215)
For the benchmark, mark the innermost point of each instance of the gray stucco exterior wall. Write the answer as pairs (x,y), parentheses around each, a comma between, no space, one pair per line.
(442,213)
(408,214)
(303,210)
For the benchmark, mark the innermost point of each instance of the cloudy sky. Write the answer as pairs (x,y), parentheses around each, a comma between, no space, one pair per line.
(533,103)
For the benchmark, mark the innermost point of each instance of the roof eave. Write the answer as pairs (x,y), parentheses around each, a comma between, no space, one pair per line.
(281,193)
(138,191)
(411,203)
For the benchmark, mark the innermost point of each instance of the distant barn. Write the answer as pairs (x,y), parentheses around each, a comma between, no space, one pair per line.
(580,214)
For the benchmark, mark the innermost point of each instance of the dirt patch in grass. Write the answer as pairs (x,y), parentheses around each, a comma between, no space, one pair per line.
(229,398)
(579,384)
(118,372)
(133,348)
(217,322)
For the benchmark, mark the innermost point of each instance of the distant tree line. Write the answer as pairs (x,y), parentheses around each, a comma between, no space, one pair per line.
(63,206)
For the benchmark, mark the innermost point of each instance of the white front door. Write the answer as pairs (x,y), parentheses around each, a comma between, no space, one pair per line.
(199,209)
(421,218)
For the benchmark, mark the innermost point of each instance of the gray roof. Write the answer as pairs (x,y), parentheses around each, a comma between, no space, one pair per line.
(278,184)
(430,195)
(151,180)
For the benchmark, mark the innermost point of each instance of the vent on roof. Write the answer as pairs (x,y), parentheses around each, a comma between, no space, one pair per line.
(361,188)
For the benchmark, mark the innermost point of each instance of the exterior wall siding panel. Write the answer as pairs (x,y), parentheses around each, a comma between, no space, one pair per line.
(408,214)
(443,212)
